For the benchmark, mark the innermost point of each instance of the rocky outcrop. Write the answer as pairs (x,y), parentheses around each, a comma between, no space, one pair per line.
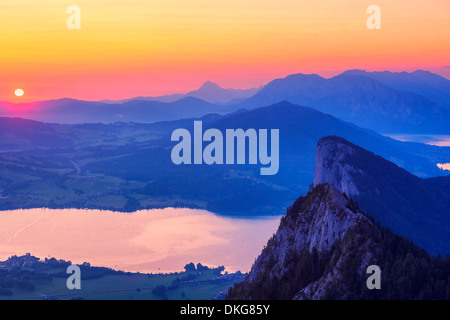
(309,232)
(323,248)
(325,242)
(413,207)
(332,165)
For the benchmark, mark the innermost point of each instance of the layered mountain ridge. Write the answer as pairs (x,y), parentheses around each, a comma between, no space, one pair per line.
(208,91)
(387,102)
(381,103)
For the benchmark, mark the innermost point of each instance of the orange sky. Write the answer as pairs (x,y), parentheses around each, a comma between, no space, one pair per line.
(144,47)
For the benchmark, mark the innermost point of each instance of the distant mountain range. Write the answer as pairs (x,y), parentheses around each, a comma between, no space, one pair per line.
(209,98)
(387,102)
(414,207)
(129,164)
(70,111)
(209,91)
(429,85)
(377,101)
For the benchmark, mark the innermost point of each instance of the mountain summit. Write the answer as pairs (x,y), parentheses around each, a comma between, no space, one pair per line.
(209,85)
(414,207)
(212,92)
(326,243)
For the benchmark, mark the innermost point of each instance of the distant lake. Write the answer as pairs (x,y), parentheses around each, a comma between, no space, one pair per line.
(159,240)
(431,139)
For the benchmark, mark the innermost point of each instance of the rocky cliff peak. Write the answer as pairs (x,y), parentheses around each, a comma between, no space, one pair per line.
(311,229)
(411,206)
(323,248)
(333,155)
(325,243)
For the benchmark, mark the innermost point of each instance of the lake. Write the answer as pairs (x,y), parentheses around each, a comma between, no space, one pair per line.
(158,240)
(431,139)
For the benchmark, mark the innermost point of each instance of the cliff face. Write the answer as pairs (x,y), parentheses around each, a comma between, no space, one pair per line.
(323,248)
(324,218)
(413,207)
(333,165)
(325,242)
(300,252)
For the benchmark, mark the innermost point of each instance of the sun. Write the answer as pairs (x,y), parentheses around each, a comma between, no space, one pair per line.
(19,92)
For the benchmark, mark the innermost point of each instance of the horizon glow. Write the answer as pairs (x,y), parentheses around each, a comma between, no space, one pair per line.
(149,48)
